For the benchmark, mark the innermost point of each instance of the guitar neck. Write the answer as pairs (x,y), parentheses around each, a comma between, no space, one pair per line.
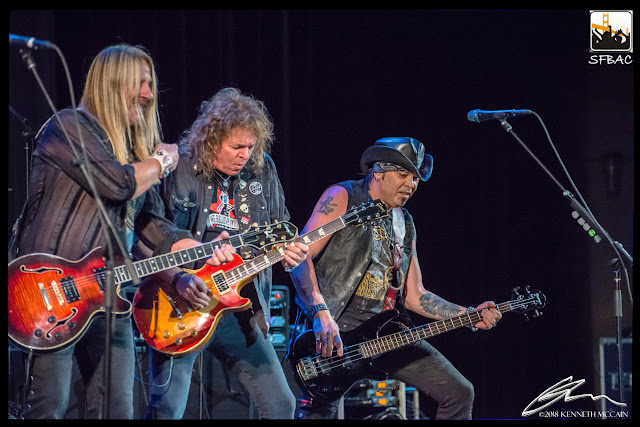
(257,264)
(160,263)
(394,341)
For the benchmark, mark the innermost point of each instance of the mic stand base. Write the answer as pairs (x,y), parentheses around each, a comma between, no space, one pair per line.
(617,302)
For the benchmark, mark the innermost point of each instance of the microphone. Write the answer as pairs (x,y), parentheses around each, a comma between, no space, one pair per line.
(30,42)
(478,116)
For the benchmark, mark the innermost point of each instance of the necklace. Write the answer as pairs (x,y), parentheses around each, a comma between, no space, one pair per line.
(225,181)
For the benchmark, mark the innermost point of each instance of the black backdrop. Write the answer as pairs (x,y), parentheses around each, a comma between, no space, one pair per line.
(335,81)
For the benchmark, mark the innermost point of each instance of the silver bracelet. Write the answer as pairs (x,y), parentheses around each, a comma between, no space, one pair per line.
(473,328)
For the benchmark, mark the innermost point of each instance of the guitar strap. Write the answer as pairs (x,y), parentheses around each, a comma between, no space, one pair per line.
(398,234)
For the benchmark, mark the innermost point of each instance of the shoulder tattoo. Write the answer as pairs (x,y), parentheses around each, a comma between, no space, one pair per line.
(326,206)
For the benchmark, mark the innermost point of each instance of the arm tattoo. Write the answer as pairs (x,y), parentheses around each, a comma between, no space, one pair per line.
(326,207)
(436,306)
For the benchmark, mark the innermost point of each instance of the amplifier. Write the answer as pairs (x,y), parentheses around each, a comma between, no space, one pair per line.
(609,385)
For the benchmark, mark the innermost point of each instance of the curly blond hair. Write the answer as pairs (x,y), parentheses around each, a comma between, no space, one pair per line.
(227,110)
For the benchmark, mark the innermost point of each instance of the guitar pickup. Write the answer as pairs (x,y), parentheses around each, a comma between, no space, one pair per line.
(220,282)
(69,289)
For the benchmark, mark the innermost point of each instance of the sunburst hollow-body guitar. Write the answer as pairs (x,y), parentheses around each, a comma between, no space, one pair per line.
(52,301)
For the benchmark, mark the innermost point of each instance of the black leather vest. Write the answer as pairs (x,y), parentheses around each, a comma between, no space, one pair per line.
(344,261)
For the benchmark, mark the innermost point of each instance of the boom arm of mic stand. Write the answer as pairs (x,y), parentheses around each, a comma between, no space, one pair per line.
(617,247)
(509,129)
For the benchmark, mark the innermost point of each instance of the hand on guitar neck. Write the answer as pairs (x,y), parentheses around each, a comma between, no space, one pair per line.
(189,285)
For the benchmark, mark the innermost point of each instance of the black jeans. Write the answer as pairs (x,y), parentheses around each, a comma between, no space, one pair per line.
(422,366)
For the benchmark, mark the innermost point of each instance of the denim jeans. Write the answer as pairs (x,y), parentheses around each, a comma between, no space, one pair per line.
(47,394)
(241,346)
(422,366)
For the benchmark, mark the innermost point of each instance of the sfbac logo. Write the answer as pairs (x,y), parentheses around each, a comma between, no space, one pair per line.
(611,31)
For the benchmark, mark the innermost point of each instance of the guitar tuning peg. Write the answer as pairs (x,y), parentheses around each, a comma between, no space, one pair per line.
(516,289)
(527,288)
(537,313)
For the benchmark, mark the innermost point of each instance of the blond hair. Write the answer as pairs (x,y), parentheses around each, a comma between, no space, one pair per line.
(227,110)
(114,72)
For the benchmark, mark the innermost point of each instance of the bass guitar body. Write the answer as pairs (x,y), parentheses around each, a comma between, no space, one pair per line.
(169,323)
(328,379)
(52,301)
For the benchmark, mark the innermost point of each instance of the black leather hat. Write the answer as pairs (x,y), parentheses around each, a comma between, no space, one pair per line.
(402,151)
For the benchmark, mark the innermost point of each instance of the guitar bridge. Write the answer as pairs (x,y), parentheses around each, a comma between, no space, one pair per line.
(307,369)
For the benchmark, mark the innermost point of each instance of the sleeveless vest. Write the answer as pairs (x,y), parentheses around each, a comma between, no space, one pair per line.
(345,259)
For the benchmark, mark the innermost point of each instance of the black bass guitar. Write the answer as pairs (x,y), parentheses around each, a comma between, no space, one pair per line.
(328,379)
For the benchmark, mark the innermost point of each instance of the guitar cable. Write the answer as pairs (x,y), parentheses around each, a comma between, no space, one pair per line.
(294,335)
(141,381)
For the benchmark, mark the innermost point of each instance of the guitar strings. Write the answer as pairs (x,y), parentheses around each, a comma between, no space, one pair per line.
(332,362)
(337,361)
(100,276)
(521,303)
(325,230)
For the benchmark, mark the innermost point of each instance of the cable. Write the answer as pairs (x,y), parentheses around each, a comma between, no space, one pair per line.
(613,244)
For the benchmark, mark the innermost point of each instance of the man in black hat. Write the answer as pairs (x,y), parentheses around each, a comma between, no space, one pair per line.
(362,271)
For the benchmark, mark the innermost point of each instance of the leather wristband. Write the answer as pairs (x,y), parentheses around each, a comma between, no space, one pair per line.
(177,277)
(318,307)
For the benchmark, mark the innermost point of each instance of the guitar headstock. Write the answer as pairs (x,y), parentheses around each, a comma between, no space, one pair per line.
(527,300)
(267,235)
(365,212)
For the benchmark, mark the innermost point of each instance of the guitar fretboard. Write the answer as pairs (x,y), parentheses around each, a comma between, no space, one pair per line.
(255,265)
(394,341)
(159,263)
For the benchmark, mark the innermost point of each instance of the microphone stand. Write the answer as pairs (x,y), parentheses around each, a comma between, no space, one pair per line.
(588,221)
(81,161)
(28,134)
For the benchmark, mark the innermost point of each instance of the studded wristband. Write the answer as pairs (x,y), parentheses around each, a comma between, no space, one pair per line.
(318,307)
(166,162)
